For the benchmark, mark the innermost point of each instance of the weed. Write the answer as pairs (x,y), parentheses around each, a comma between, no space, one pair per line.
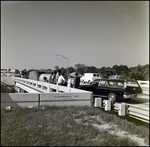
(64,126)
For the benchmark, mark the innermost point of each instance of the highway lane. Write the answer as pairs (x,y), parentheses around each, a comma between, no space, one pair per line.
(7,80)
(140,101)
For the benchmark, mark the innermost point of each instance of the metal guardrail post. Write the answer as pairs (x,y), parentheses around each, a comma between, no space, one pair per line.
(122,109)
(98,102)
(107,105)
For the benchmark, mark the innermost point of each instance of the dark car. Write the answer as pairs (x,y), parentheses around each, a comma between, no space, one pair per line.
(114,89)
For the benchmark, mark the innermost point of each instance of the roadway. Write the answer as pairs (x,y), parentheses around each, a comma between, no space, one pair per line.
(140,101)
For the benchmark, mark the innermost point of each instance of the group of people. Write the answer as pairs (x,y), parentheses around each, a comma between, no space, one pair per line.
(23,74)
(58,78)
(76,81)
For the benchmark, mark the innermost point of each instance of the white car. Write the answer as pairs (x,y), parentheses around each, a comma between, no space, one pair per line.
(89,77)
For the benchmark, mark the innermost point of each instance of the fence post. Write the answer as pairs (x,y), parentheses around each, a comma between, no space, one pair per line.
(98,102)
(107,105)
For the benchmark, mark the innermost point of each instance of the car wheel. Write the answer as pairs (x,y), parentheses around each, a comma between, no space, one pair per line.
(112,97)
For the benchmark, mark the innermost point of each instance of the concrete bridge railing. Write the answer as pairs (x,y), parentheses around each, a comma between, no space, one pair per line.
(45,87)
(48,94)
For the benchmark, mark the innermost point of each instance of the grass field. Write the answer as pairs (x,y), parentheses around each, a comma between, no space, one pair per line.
(69,126)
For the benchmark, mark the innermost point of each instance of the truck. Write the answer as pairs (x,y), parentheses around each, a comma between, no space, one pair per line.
(89,77)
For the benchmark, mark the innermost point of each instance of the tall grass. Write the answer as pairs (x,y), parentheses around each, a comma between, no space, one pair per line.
(58,126)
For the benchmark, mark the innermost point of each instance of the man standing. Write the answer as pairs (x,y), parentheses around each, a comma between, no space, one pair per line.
(51,77)
(61,79)
(76,81)
(57,75)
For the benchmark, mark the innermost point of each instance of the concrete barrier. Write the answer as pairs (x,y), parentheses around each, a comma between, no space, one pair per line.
(19,100)
(66,99)
(49,99)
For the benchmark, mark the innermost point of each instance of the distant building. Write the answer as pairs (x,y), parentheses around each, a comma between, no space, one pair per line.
(8,72)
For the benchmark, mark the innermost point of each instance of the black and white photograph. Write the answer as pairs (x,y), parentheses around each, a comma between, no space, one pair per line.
(74,73)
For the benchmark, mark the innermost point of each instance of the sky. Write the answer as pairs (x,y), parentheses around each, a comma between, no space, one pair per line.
(94,33)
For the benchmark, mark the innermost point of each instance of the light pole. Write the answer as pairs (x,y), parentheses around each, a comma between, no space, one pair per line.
(67,62)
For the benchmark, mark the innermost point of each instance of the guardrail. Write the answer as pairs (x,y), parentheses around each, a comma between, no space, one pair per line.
(144,84)
(45,87)
(123,109)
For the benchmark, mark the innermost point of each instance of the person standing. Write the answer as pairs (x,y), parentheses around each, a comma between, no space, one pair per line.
(76,81)
(45,79)
(54,78)
(51,78)
(61,79)
(69,81)
(57,75)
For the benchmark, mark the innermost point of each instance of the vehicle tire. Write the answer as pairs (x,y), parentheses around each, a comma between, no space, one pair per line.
(112,97)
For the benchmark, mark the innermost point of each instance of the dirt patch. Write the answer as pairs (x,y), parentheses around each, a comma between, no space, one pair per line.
(113,129)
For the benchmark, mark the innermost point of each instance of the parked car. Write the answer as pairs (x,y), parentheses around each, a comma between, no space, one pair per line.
(114,89)
(89,77)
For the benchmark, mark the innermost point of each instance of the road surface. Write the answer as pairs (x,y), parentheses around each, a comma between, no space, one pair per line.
(140,101)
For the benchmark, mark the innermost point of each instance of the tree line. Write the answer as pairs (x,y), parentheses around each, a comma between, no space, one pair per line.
(138,72)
